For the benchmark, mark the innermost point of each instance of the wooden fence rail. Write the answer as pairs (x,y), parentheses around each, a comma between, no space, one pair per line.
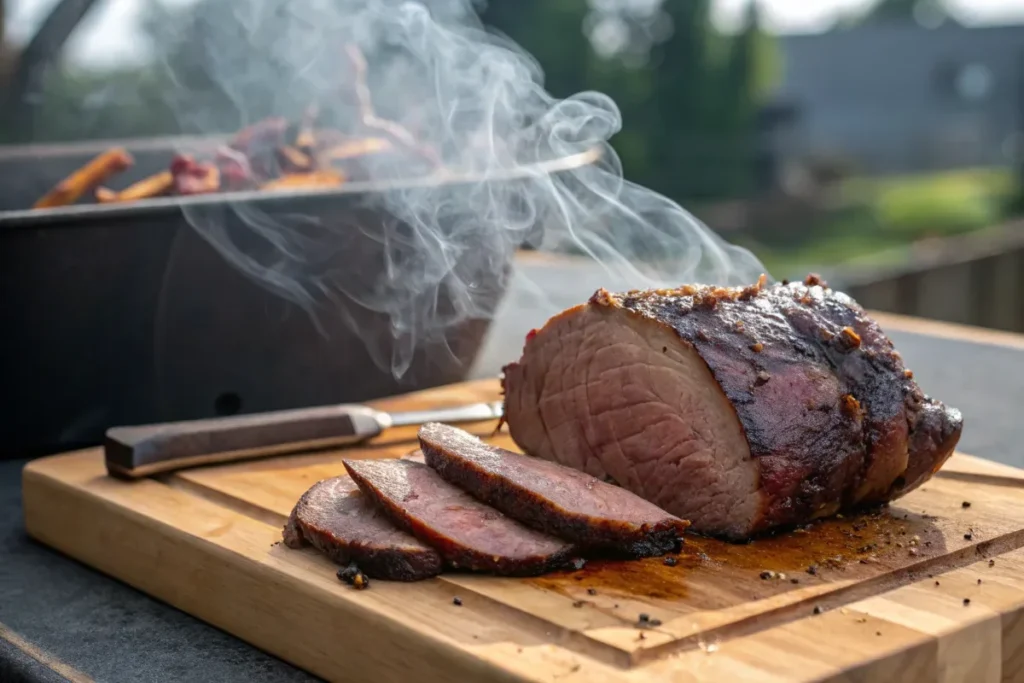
(972,279)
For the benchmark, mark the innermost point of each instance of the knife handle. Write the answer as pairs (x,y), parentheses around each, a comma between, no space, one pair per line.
(133,452)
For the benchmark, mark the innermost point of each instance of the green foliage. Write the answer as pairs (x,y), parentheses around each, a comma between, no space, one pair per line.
(89,105)
(555,37)
(902,11)
(688,111)
(940,205)
(767,63)
(880,217)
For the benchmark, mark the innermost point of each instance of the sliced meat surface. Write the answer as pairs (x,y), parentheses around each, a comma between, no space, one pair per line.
(415,456)
(336,518)
(468,534)
(739,409)
(553,498)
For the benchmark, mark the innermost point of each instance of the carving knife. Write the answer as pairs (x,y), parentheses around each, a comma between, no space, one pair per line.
(133,452)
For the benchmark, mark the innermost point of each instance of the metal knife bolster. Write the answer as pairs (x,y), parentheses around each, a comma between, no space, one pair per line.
(151,449)
(474,412)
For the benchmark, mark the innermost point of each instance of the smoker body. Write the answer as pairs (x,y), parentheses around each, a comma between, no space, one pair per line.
(124,314)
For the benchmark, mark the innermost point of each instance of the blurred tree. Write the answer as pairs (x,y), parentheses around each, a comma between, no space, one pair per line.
(24,91)
(929,13)
(685,101)
(737,112)
(550,30)
(82,104)
(6,56)
(688,93)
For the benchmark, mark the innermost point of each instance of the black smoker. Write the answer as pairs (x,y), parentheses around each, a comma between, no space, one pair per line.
(123,314)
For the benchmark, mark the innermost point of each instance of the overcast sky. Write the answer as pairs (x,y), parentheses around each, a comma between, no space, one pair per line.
(111,34)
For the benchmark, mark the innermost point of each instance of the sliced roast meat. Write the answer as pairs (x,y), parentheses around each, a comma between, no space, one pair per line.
(739,409)
(550,497)
(415,456)
(467,533)
(336,518)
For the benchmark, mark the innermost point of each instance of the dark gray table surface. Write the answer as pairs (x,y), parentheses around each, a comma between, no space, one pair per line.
(111,632)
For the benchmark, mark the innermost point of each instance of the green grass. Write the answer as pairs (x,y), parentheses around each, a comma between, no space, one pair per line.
(883,217)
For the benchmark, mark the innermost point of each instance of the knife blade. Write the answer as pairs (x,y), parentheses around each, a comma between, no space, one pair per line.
(145,450)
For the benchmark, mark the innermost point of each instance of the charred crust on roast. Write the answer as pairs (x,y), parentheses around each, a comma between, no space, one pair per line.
(753,290)
(814,280)
(847,339)
(851,406)
(603,297)
(292,534)
(851,433)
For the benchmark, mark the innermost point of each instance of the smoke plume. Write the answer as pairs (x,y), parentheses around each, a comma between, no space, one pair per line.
(517,166)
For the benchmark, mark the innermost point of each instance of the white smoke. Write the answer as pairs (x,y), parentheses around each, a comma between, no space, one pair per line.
(429,248)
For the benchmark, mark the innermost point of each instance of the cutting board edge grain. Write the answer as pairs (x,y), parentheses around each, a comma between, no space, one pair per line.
(225,568)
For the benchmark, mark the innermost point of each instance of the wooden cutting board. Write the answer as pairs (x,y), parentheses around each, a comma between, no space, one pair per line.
(887,599)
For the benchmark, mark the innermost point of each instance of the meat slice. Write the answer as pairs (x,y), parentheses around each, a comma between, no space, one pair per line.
(336,518)
(467,533)
(550,497)
(739,409)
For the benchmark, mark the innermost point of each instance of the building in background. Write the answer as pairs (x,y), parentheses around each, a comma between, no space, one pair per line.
(897,97)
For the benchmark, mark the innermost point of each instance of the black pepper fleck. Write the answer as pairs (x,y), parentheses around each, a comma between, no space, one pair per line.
(965,504)
(794,580)
(817,610)
(968,536)
(670,562)
(644,617)
(457,601)
(591,591)
(979,582)
(967,601)
(812,570)
(991,563)
(578,603)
